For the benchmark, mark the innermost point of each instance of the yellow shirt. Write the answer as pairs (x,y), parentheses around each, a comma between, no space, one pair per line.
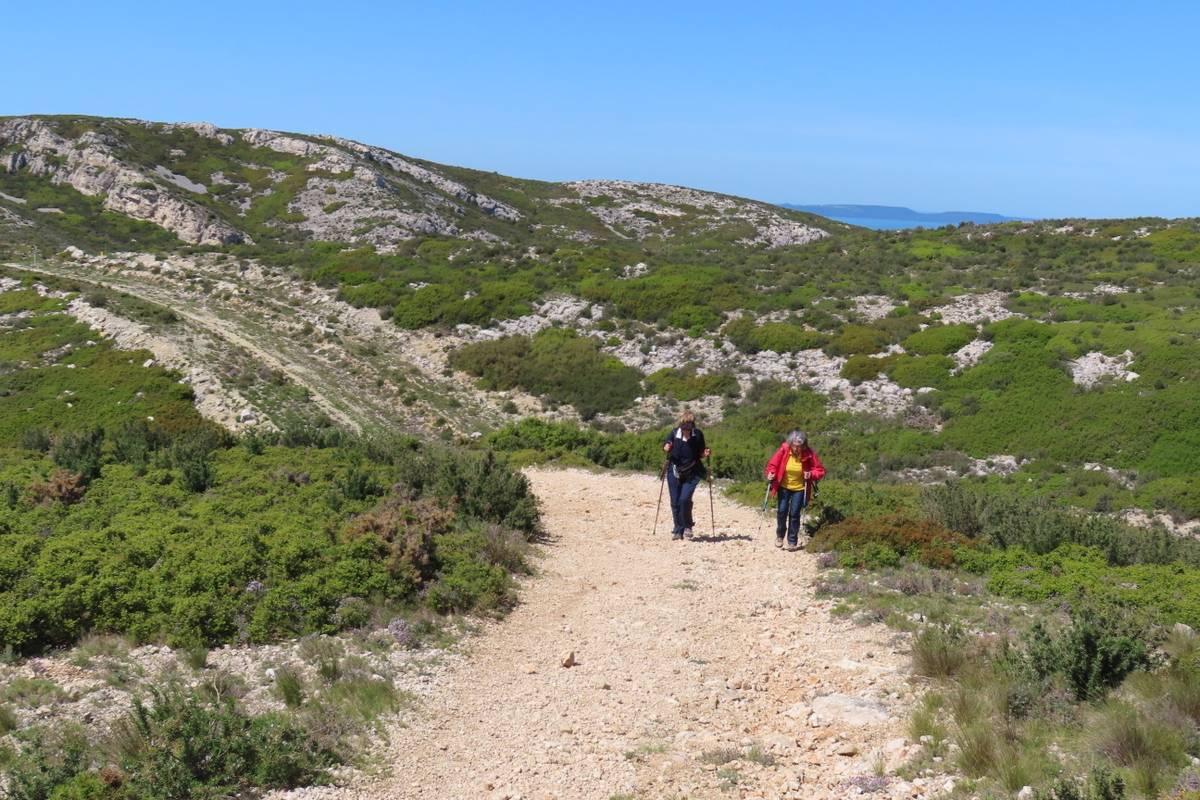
(793,474)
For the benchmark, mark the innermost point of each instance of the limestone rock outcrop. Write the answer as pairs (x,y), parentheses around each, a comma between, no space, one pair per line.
(90,165)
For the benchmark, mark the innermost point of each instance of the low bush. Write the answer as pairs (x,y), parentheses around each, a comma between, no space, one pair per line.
(939,651)
(1149,747)
(915,372)
(857,340)
(939,340)
(259,556)
(79,452)
(883,541)
(558,363)
(1094,653)
(859,368)
(1035,525)
(1102,784)
(177,744)
(686,384)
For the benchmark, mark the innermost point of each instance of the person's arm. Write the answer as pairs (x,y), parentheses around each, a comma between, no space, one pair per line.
(818,469)
(773,464)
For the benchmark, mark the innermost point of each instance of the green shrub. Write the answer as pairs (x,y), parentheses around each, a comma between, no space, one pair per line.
(858,541)
(1150,748)
(939,651)
(919,371)
(134,441)
(857,340)
(685,384)
(36,439)
(859,368)
(258,555)
(1035,525)
(1093,654)
(191,455)
(178,744)
(290,686)
(8,720)
(49,759)
(466,580)
(939,340)
(1169,592)
(1102,784)
(558,363)
(778,337)
(79,452)
(783,337)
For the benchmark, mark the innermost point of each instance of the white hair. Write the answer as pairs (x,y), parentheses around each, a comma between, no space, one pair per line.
(797,437)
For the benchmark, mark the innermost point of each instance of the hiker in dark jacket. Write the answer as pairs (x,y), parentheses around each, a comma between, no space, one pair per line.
(685,448)
(793,471)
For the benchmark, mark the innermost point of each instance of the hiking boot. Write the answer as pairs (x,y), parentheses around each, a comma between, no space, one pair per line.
(791,548)
(779,541)
(677,535)
(687,533)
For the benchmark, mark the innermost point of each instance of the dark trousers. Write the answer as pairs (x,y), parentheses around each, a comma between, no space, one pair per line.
(787,514)
(681,499)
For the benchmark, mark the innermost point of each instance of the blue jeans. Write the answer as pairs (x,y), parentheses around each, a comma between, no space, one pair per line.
(681,499)
(787,514)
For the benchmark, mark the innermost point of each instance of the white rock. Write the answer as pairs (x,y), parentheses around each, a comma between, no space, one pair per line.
(1095,368)
(850,710)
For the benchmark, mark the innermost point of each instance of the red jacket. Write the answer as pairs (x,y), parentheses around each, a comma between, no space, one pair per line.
(778,464)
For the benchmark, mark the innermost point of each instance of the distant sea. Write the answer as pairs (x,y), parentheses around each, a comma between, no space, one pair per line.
(883,224)
(897,217)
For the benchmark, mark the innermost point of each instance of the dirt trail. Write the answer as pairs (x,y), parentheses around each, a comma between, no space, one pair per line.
(687,653)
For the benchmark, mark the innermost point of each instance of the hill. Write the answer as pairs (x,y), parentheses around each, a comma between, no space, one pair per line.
(269,393)
(321,279)
(199,185)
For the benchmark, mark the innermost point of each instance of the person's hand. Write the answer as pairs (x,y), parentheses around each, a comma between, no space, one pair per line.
(667,447)
(707,452)
(807,475)
(770,476)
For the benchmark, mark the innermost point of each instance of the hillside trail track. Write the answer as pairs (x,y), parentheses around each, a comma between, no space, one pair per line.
(683,649)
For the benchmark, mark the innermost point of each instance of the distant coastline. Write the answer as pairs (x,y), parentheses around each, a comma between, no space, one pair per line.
(893,217)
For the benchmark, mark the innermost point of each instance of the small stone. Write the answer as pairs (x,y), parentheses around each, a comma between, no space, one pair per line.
(847,749)
(530,669)
(1026,793)
(798,711)
(568,659)
(778,742)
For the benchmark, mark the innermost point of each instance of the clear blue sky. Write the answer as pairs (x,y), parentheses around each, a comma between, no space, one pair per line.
(1042,109)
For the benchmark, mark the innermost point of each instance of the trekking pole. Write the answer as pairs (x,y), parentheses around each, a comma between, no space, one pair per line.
(711,510)
(808,499)
(662,479)
(766,501)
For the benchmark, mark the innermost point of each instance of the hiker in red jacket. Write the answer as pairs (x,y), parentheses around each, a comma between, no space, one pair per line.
(792,471)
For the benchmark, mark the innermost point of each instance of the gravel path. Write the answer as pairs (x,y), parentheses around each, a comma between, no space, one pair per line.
(686,654)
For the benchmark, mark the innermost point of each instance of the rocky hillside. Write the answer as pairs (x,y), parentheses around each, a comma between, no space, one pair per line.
(212,187)
(299,277)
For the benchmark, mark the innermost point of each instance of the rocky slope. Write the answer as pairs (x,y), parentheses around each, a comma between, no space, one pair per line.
(216,187)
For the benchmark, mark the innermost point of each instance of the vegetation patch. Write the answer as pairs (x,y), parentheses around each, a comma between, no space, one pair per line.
(686,383)
(558,363)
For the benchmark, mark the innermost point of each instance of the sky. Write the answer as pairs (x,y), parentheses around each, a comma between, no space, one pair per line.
(1047,109)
